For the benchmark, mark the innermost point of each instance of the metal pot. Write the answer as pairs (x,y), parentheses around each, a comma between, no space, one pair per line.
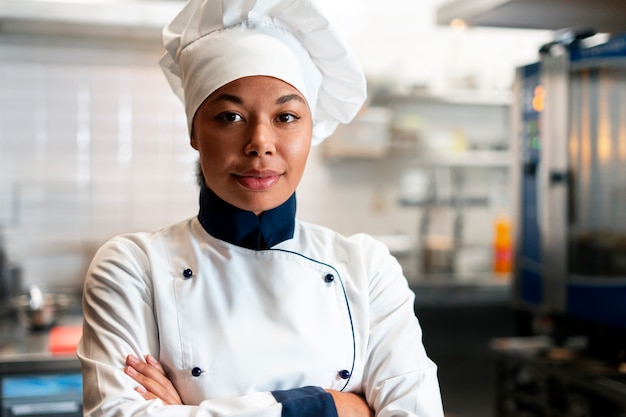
(36,310)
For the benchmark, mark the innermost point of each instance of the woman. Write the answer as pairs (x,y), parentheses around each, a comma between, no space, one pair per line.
(244,310)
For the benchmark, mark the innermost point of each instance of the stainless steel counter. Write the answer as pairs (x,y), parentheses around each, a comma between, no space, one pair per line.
(17,343)
(447,289)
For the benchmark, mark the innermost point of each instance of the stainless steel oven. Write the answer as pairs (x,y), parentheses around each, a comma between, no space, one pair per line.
(570,123)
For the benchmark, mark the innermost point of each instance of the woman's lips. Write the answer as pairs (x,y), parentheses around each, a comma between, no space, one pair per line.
(258,181)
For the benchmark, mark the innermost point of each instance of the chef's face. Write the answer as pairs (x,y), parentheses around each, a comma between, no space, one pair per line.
(254,136)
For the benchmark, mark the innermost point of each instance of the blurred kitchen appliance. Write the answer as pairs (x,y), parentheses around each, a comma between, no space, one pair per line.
(533,378)
(605,15)
(41,387)
(570,170)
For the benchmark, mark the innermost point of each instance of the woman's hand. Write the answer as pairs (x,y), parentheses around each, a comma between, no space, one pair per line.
(154,383)
(153,380)
(349,404)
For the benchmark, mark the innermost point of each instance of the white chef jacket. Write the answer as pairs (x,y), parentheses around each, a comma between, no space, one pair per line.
(253,332)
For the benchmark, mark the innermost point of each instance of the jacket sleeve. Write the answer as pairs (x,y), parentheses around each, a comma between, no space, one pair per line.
(120,319)
(399,378)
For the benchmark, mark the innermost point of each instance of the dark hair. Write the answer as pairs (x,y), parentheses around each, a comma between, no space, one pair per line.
(199,174)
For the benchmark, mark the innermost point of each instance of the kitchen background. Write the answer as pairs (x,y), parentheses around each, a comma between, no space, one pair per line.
(93,143)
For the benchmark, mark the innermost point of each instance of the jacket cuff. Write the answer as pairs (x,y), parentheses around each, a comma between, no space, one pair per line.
(306,402)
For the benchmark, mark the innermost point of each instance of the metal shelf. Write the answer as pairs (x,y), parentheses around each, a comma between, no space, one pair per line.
(472,159)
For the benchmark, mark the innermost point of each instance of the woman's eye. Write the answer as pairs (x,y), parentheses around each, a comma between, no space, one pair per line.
(287,118)
(229,117)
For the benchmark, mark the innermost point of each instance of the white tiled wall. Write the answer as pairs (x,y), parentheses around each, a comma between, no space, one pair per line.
(87,151)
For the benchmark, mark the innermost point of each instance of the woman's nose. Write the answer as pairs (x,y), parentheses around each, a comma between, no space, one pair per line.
(260,140)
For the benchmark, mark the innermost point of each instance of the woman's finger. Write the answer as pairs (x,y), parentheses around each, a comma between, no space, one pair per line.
(153,379)
(147,395)
(151,360)
(148,370)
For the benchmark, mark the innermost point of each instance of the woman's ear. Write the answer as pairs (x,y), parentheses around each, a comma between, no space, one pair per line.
(192,139)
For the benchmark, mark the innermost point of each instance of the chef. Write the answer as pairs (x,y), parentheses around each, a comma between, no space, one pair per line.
(245,310)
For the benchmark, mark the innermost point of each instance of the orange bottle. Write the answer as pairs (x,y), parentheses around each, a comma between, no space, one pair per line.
(502,246)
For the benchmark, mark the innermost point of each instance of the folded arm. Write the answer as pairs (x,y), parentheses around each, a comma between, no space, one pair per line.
(154,384)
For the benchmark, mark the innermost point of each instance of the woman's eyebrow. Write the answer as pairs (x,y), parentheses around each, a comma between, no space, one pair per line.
(289,97)
(228,97)
(236,99)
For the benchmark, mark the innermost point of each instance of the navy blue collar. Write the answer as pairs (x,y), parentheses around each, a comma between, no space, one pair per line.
(243,228)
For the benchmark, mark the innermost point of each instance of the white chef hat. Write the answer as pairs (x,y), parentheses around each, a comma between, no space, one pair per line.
(213,42)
